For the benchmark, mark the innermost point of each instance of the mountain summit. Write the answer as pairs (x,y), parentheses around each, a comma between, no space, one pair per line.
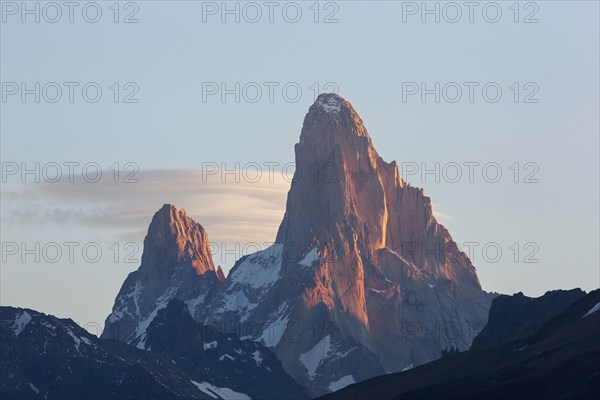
(361,279)
(175,238)
(389,275)
(330,107)
(176,262)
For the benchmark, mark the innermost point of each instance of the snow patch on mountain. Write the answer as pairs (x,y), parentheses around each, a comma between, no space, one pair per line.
(228,356)
(594,309)
(272,334)
(259,270)
(331,104)
(161,302)
(310,258)
(121,309)
(344,354)
(211,345)
(75,338)
(220,392)
(192,304)
(51,328)
(238,302)
(34,388)
(341,383)
(21,322)
(257,357)
(249,281)
(313,358)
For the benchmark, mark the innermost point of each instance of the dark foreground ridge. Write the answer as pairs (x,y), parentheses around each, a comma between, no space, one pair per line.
(44,357)
(560,361)
(519,317)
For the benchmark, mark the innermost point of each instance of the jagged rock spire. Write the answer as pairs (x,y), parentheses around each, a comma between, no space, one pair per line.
(176,262)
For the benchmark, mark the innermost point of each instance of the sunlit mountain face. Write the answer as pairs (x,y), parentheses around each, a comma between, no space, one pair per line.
(236,200)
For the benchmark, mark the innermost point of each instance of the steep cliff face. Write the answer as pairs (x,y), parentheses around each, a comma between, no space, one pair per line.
(176,263)
(387,273)
(361,279)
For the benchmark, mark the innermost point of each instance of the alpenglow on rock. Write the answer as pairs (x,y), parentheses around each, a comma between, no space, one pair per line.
(361,279)
(176,263)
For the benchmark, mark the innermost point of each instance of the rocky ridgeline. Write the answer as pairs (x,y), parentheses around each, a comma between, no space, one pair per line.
(361,279)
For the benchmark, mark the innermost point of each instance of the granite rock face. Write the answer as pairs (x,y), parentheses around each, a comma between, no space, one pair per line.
(361,279)
(176,263)
(377,268)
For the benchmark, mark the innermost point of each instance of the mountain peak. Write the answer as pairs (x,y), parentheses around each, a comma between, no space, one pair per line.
(339,176)
(170,212)
(358,251)
(176,262)
(174,237)
(377,237)
(334,116)
(331,102)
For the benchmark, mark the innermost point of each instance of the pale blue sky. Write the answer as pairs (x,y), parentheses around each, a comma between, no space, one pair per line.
(368,54)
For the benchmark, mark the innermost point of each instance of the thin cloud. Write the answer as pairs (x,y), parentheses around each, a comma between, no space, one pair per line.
(230,211)
(233,213)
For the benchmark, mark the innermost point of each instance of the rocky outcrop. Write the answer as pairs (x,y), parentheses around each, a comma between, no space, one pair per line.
(360,281)
(176,263)
(362,278)
(518,317)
